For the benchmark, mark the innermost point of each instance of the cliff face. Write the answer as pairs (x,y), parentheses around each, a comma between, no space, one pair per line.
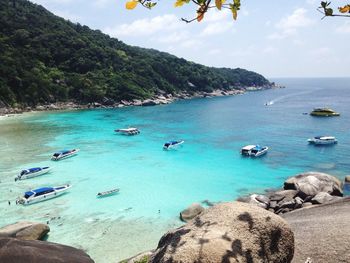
(46,59)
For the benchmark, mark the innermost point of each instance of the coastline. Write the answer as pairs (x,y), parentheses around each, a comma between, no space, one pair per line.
(158,99)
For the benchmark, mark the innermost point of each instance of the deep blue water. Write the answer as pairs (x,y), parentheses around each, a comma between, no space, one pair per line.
(155,184)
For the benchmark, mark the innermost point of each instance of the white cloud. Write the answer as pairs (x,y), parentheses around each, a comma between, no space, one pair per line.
(214,51)
(344,28)
(146,26)
(289,25)
(174,37)
(217,28)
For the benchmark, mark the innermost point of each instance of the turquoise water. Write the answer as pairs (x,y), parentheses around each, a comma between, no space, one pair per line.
(155,185)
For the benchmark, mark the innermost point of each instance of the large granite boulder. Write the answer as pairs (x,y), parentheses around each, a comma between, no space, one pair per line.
(321,232)
(191,212)
(229,232)
(322,198)
(25,230)
(13,250)
(312,183)
(259,200)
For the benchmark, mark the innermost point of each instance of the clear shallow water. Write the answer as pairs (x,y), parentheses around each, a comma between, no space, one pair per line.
(155,184)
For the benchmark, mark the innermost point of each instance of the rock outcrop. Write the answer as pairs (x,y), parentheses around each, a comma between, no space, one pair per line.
(321,232)
(312,183)
(13,250)
(299,191)
(191,212)
(229,232)
(25,230)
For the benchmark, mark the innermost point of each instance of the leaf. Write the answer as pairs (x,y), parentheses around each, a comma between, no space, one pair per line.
(234,13)
(218,4)
(344,9)
(328,11)
(200,16)
(131,4)
(179,3)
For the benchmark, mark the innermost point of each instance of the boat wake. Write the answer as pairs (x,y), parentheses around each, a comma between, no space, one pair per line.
(281,98)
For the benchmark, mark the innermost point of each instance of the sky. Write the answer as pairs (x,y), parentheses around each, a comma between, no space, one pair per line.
(277,38)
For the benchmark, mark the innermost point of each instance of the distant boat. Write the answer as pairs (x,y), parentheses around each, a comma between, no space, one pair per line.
(32,172)
(108,193)
(172,144)
(324,112)
(323,140)
(128,131)
(42,194)
(254,150)
(64,154)
(269,103)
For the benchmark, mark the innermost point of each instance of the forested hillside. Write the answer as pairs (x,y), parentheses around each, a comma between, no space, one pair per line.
(45,59)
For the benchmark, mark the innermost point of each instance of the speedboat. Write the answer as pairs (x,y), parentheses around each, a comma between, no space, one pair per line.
(128,131)
(32,172)
(64,154)
(254,150)
(108,193)
(323,140)
(172,144)
(324,112)
(42,194)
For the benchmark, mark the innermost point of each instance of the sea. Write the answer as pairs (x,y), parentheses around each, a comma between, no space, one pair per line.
(155,185)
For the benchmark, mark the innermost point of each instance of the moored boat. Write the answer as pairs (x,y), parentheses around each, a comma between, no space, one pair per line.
(64,154)
(108,193)
(324,112)
(323,140)
(128,131)
(254,150)
(32,172)
(42,194)
(172,144)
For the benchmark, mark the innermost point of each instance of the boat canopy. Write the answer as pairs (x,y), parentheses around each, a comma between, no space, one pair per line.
(248,147)
(43,190)
(258,148)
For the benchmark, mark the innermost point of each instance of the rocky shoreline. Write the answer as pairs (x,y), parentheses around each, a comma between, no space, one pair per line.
(159,99)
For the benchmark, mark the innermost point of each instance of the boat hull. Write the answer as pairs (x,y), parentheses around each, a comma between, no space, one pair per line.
(32,175)
(321,142)
(173,146)
(44,197)
(65,156)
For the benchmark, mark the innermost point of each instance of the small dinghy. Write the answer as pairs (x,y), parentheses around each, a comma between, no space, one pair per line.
(254,150)
(172,144)
(42,194)
(323,140)
(32,172)
(128,131)
(108,193)
(64,154)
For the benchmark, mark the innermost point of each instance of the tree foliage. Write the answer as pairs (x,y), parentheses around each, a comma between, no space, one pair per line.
(326,9)
(46,59)
(203,6)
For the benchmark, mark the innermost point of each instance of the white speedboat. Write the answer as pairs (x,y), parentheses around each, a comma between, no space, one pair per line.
(323,140)
(42,194)
(172,144)
(32,172)
(128,131)
(64,154)
(108,193)
(254,150)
